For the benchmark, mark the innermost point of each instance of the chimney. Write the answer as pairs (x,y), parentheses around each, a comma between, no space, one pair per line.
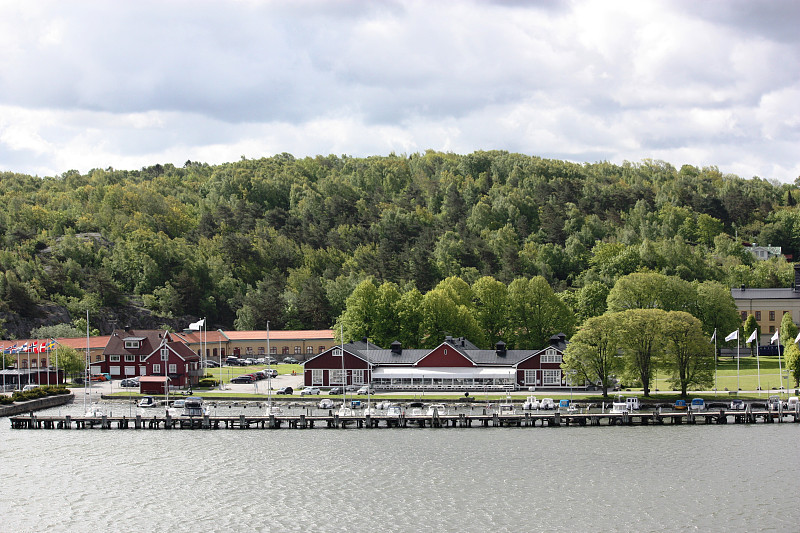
(364,340)
(500,348)
(397,348)
(796,277)
(744,287)
(448,338)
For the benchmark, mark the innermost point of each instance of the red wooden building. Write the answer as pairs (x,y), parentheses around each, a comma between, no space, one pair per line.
(175,360)
(456,364)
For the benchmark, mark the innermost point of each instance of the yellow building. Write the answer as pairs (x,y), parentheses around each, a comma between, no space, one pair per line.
(299,344)
(769,305)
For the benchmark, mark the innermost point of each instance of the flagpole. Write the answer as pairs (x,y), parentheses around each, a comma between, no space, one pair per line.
(738,388)
(758,364)
(780,368)
(715,361)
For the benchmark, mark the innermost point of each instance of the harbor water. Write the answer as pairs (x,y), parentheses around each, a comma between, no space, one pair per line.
(642,478)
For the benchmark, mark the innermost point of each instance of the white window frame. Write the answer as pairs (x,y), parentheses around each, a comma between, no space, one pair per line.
(142,370)
(530,377)
(114,370)
(165,354)
(130,370)
(142,358)
(551,377)
(316,376)
(156,369)
(337,352)
(551,356)
(113,358)
(358,377)
(130,358)
(173,368)
(131,345)
(337,376)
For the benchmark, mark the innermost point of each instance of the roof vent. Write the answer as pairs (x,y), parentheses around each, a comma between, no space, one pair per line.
(449,338)
(397,347)
(500,348)
(742,286)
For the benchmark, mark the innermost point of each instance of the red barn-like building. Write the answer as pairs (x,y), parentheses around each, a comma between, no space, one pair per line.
(456,364)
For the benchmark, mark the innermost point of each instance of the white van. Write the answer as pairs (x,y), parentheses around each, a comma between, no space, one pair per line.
(792,402)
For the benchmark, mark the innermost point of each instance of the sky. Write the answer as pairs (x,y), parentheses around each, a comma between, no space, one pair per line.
(128,84)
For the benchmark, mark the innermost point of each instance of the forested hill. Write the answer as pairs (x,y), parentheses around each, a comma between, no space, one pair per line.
(287,240)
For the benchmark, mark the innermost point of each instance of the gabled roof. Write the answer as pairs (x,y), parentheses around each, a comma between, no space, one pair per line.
(149,340)
(177,347)
(211,336)
(765,294)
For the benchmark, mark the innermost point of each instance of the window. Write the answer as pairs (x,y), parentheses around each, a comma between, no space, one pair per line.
(297,350)
(744,315)
(551,377)
(113,370)
(758,316)
(337,352)
(530,377)
(130,370)
(316,376)
(772,316)
(321,349)
(551,356)
(156,369)
(142,358)
(772,329)
(358,377)
(142,370)
(273,350)
(130,358)
(113,358)
(173,369)
(164,354)
(131,345)
(285,350)
(43,363)
(98,358)
(336,377)
(261,350)
(249,350)
(309,350)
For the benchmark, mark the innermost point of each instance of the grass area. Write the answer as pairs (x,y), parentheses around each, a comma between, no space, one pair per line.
(749,370)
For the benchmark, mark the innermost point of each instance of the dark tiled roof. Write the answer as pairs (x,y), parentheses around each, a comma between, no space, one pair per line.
(766,294)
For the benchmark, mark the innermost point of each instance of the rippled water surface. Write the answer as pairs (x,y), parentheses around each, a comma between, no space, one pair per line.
(697,478)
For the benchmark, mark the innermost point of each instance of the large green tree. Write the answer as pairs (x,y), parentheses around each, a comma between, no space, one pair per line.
(688,354)
(535,313)
(641,339)
(592,352)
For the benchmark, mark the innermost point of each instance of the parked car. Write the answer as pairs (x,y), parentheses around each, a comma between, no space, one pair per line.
(261,374)
(270,372)
(210,364)
(285,390)
(290,361)
(247,378)
(99,377)
(310,390)
(737,405)
(351,388)
(233,361)
(335,390)
(365,390)
(129,382)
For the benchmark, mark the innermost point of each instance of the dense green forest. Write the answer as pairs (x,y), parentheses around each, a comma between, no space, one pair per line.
(288,240)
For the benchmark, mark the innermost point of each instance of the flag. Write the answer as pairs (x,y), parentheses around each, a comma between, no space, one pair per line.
(797,339)
(775,337)
(24,347)
(752,336)
(714,336)
(733,336)
(197,325)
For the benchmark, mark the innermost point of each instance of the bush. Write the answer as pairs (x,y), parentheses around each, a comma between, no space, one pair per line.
(6,400)
(207,382)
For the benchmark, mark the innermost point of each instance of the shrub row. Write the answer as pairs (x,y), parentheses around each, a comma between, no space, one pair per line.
(39,392)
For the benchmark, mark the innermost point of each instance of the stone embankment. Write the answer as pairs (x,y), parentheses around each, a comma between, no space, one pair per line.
(36,405)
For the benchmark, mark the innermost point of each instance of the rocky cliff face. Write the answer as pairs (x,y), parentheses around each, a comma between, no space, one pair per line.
(19,327)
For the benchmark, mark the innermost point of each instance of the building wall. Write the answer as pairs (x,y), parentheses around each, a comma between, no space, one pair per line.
(319,371)
(768,312)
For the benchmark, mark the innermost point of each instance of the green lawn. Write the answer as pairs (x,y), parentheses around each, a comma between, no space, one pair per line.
(230,372)
(748,374)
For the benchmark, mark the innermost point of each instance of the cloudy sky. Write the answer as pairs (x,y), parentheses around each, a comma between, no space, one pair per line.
(129,84)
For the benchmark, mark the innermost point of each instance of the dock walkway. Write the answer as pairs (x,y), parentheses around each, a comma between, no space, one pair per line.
(461,420)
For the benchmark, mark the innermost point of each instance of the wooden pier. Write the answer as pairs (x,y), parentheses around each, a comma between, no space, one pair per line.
(461,420)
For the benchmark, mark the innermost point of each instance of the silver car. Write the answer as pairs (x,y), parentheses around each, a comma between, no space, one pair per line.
(310,390)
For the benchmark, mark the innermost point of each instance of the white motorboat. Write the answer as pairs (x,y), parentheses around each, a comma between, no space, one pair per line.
(506,409)
(394,411)
(147,402)
(325,403)
(194,407)
(547,403)
(438,409)
(94,411)
(345,411)
(531,404)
